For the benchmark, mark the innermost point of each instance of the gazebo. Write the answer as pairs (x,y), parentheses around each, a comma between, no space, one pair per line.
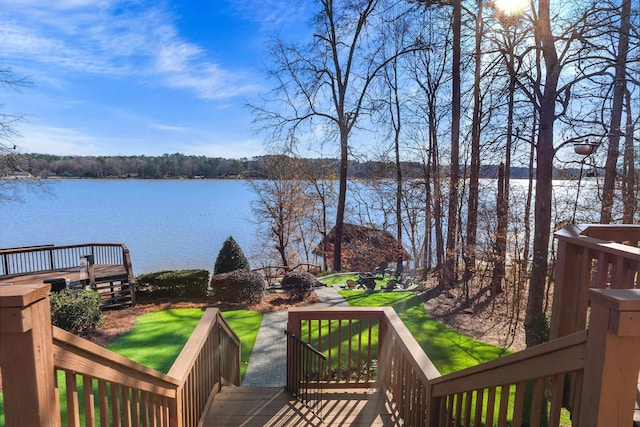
(363,248)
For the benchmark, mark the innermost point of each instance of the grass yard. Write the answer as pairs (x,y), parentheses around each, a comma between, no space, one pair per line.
(448,350)
(158,337)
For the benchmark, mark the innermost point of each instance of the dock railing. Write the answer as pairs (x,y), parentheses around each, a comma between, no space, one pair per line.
(39,362)
(34,259)
(104,267)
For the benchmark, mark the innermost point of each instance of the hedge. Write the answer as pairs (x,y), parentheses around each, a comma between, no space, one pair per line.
(173,283)
(239,286)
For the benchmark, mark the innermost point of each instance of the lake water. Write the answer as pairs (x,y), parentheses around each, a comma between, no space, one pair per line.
(181,224)
(166,224)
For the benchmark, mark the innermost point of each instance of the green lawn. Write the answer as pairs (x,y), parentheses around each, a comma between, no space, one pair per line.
(158,337)
(448,350)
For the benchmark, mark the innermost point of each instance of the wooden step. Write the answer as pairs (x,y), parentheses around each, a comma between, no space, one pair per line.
(271,406)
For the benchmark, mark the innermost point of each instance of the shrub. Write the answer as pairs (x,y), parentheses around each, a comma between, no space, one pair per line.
(230,258)
(174,283)
(298,284)
(238,286)
(76,310)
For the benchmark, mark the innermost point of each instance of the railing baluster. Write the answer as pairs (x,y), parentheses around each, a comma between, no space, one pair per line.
(305,381)
(491,406)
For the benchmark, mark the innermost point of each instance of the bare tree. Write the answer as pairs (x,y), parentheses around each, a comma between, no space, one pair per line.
(282,204)
(615,132)
(10,162)
(328,80)
(430,74)
(629,172)
(321,180)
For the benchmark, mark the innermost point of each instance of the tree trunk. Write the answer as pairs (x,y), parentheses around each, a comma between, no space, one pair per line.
(535,321)
(499,257)
(448,278)
(437,198)
(619,88)
(474,170)
(342,198)
(629,183)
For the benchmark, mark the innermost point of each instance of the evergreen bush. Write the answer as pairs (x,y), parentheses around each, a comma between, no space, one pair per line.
(173,283)
(76,310)
(298,284)
(238,286)
(230,258)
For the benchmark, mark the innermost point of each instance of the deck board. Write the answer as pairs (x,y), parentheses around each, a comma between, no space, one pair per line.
(102,271)
(272,406)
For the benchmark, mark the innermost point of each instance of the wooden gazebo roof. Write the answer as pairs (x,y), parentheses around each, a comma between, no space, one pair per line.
(363,248)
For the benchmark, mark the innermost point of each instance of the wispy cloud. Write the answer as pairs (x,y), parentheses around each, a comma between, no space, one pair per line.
(170,128)
(118,39)
(62,141)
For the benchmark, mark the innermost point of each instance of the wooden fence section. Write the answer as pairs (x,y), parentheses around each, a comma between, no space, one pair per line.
(525,388)
(591,256)
(36,259)
(271,273)
(102,387)
(105,267)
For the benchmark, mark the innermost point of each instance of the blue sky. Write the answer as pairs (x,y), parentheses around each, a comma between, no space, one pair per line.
(141,77)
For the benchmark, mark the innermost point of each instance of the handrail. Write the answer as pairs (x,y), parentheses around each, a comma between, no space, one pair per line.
(35,259)
(529,386)
(591,256)
(72,352)
(305,380)
(141,395)
(571,348)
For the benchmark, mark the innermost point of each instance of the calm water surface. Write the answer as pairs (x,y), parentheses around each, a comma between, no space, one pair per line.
(166,224)
(181,224)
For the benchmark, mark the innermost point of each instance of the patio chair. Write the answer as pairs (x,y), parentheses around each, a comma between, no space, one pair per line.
(391,285)
(399,270)
(382,269)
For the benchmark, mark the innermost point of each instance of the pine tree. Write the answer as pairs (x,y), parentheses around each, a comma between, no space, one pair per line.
(230,258)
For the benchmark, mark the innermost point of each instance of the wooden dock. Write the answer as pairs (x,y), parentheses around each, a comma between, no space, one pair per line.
(103,267)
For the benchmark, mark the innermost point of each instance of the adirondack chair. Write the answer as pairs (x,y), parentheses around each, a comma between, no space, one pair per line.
(382,269)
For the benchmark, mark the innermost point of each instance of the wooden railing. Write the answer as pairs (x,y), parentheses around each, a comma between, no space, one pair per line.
(34,259)
(371,347)
(591,256)
(273,272)
(102,387)
(304,381)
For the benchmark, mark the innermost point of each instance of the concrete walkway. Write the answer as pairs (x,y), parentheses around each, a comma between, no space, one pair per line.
(267,364)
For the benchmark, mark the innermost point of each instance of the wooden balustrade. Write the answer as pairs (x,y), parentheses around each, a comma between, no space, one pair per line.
(105,267)
(102,387)
(371,347)
(591,256)
(35,259)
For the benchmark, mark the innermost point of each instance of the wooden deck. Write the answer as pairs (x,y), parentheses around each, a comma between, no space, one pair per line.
(111,282)
(103,272)
(271,406)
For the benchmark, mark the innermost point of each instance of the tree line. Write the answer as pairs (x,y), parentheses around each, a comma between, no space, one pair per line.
(173,166)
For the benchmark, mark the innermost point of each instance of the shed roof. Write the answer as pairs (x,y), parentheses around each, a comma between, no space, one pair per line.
(363,248)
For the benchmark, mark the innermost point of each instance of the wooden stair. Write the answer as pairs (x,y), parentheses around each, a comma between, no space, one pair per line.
(273,406)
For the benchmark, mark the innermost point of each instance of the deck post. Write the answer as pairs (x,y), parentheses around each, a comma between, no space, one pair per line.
(26,356)
(612,364)
(570,286)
